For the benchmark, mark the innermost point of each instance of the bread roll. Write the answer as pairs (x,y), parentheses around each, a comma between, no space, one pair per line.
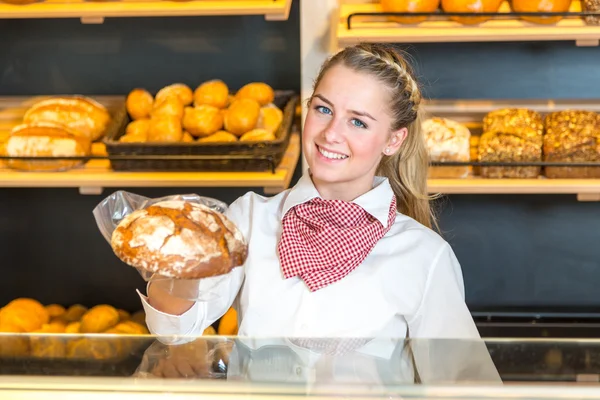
(179,239)
(99,318)
(242,116)
(572,136)
(187,138)
(261,92)
(212,93)
(270,118)
(75,312)
(183,92)
(13,345)
(139,128)
(221,136)
(170,106)
(45,139)
(409,6)
(541,6)
(202,120)
(471,6)
(55,310)
(447,140)
(167,130)
(139,104)
(257,135)
(80,114)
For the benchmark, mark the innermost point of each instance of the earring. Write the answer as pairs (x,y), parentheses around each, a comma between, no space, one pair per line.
(387,150)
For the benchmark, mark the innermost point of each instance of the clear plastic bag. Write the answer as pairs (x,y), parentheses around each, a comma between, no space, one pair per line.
(113,209)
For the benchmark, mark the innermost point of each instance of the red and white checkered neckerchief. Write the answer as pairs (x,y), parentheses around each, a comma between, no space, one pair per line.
(325,240)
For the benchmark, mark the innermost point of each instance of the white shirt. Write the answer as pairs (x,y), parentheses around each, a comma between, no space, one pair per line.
(410,284)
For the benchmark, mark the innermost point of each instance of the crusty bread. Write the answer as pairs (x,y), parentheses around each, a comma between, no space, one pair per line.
(179,239)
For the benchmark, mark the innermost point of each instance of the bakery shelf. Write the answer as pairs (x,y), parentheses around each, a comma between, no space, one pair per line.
(96,11)
(379,29)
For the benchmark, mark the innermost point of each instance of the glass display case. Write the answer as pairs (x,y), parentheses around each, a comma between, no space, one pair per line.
(48,366)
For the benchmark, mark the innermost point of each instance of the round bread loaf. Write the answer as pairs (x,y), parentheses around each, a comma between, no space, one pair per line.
(179,239)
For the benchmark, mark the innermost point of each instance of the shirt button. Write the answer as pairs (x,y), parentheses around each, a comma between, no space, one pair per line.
(298,371)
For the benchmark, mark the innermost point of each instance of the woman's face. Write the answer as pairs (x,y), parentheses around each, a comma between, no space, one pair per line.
(347,129)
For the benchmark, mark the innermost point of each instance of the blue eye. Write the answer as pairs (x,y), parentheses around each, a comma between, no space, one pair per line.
(358,123)
(323,110)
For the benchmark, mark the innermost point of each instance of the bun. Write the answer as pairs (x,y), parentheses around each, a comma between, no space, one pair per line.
(203,120)
(187,138)
(221,136)
(139,104)
(80,114)
(257,135)
(270,118)
(472,6)
(242,116)
(212,93)
(179,90)
(179,239)
(45,139)
(541,6)
(409,6)
(169,107)
(258,91)
(166,129)
(138,129)
(98,319)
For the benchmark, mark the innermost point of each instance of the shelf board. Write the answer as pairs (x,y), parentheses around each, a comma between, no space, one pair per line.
(97,175)
(585,189)
(381,30)
(96,11)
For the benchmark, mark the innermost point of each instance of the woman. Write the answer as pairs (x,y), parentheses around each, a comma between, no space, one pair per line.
(349,250)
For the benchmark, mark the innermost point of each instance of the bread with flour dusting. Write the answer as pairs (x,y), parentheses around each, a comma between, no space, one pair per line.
(179,239)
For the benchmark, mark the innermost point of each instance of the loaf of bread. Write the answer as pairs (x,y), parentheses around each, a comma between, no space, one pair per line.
(447,140)
(572,136)
(80,114)
(46,139)
(511,135)
(179,239)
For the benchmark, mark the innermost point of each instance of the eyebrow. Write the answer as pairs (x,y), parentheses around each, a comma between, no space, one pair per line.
(359,113)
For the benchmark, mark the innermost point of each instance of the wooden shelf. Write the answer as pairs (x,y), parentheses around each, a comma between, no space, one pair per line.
(379,29)
(97,175)
(585,189)
(95,11)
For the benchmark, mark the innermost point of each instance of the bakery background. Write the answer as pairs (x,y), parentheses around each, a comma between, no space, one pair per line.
(520,253)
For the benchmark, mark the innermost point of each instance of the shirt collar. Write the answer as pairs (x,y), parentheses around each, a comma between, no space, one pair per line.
(376,201)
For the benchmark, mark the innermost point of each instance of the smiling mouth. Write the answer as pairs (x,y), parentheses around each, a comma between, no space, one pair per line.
(331,155)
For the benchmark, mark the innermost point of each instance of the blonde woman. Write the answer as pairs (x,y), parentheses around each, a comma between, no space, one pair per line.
(349,251)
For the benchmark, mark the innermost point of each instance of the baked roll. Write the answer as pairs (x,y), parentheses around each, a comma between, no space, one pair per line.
(45,139)
(257,135)
(270,118)
(138,128)
(242,116)
(187,138)
(572,136)
(220,136)
(203,120)
(261,92)
(139,104)
(447,140)
(212,93)
(80,114)
(179,239)
(169,107)
(167,129)
(183,92)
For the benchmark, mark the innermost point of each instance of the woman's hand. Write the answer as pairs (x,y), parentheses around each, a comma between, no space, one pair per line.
(188,360)
(161,297)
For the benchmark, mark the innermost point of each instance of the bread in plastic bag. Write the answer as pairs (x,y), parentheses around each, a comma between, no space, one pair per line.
(114,208)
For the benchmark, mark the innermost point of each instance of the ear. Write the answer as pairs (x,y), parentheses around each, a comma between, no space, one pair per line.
(395,141)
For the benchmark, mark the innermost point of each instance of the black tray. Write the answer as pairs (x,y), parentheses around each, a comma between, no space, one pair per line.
(236,156)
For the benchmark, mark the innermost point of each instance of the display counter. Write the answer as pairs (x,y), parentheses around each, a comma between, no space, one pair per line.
(36,366)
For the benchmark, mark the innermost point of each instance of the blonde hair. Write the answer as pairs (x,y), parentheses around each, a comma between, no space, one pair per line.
(407,169)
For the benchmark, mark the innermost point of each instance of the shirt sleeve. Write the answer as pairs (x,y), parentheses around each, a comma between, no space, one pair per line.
(445,343)
(219,295)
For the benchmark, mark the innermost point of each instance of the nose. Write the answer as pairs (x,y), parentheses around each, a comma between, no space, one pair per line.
(332,132)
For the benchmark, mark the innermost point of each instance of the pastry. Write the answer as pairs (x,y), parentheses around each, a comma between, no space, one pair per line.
(447,140)
(183,92)
(511,135)
(572,136)
(169,107)
(73,328)
(46,139)
(242,116)
(409,6)
(202,120)
(99,318)
(166,130)
(270,118)
(471,6)
(261,92)
(139,104)
(541,6)
(138,128)
(80,114)
(75,312)
(212,93)
(55,310)
(179,239)
(187,138)
(257,135)
(220,136)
